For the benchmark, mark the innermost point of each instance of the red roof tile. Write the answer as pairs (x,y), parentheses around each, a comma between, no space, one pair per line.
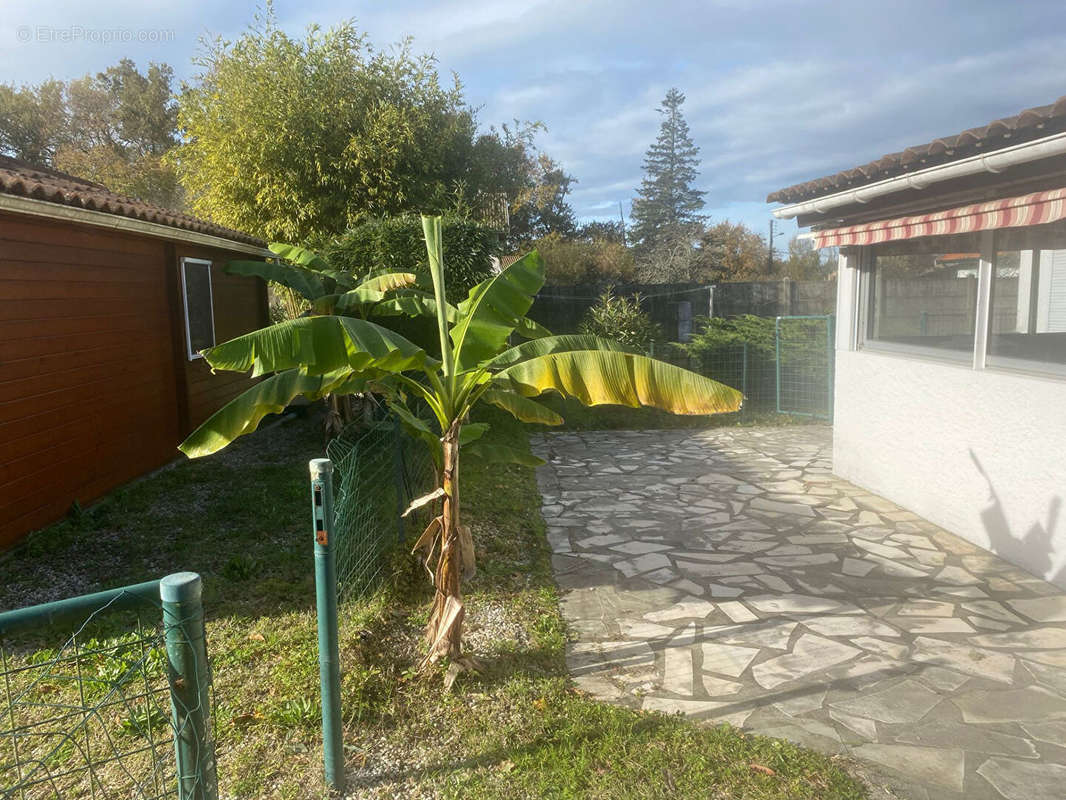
(22,179)
(1033,123)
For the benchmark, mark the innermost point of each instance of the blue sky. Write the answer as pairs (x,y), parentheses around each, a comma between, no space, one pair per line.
(778,91)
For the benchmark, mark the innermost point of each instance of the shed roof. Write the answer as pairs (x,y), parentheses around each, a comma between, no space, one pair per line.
(1033,123)
(23,179)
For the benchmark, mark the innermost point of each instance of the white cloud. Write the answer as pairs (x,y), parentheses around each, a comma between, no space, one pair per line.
(778,91)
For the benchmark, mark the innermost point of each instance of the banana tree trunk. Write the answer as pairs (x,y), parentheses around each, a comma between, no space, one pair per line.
(445,629)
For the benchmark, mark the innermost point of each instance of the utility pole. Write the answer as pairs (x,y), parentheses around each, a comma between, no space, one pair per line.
(770,248)
(622,220)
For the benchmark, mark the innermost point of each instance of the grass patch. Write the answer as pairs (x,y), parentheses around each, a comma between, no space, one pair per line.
(518,731)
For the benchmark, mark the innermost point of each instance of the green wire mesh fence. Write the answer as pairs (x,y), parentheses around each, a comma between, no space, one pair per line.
(804,355)
(790,373)
(358,496)
(106,695)
(379,470)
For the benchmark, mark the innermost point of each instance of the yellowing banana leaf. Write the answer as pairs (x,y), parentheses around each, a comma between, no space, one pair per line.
(493,309)
(308,283)
(387,281)
(555,344)
(521,407)
(270,396)
(318,345)
(597,377)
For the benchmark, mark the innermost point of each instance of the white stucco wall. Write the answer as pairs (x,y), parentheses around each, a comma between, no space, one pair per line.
(980,452)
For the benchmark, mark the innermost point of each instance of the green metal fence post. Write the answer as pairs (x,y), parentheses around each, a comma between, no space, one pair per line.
(777,361)
(329,665)
(183,625)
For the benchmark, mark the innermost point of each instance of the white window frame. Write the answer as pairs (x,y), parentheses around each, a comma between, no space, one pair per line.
(862,321)
(185,304)
(978,359)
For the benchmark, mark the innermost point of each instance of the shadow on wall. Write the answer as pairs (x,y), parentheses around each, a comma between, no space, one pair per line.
(1035,548)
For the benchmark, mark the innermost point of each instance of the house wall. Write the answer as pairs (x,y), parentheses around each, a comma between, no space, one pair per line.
(979,452)
(91,391)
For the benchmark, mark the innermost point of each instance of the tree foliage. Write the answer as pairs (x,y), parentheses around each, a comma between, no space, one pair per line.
(804,262)
(673,256)
(667,198)
(397,244)
(351,134)
(585,261)
(293,138)
(507,163)
(115,128)
(731,251)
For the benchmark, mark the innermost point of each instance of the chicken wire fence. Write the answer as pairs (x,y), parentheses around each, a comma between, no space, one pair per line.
(379,470)
(107,695)
(792,373)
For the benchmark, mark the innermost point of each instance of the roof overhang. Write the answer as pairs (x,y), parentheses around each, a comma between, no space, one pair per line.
(997,161)
(42,208)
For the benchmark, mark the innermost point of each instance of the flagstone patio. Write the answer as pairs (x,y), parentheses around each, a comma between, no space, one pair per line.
(728,574)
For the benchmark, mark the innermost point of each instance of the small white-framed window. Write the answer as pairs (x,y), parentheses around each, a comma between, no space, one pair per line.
(199,306)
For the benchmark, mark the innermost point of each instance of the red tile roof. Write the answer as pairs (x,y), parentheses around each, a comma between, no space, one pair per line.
(22,179)
(1033,123)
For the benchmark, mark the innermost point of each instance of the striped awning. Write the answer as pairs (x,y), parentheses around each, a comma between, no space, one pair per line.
(1011,212)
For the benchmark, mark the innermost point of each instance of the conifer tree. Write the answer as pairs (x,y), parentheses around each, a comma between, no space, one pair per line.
(667,202)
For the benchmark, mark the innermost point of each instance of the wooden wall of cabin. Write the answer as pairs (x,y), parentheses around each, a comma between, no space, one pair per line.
(95,386)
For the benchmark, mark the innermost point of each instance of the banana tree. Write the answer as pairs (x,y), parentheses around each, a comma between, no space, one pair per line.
(316,355)
(326,290)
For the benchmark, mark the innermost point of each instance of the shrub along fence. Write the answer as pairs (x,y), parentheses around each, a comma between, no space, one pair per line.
(783,365)
(107,695)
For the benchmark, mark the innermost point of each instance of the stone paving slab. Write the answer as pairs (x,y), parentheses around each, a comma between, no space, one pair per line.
(729,575)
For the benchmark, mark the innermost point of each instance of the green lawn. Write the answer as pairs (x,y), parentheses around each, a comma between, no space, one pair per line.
(519,731)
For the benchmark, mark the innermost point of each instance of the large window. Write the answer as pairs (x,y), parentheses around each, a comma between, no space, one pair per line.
(924,296)
(922,293)
(1027,325)
(199,311)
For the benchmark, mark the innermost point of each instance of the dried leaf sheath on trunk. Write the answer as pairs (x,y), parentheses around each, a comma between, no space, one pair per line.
(444,631)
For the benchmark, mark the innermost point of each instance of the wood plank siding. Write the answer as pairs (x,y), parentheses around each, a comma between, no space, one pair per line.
(95,388)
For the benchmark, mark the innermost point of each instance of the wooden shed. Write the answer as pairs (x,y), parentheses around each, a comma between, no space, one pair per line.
(104,303)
